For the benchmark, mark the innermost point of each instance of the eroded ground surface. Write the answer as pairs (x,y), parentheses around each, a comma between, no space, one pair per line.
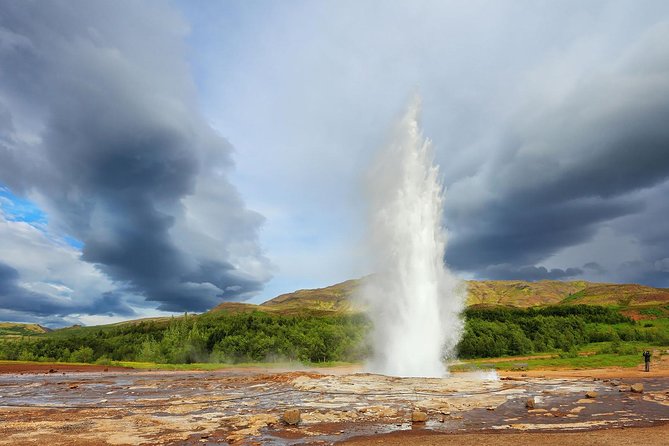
(245,406)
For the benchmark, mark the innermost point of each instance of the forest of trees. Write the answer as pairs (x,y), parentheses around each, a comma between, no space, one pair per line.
(258,336)
(246,337)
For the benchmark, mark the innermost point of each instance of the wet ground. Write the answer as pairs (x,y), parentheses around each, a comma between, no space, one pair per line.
(245,406)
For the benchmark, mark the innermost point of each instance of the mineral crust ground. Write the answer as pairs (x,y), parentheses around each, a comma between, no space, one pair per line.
(62,405)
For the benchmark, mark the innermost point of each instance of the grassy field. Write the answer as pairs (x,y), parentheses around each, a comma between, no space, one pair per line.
(579,362)
(590,356)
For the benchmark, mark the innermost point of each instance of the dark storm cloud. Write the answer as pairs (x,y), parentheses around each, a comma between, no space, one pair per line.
(531,273)
(651,236)
(568,166)
(521,233)
(29,304)
(594,267)
(105,87)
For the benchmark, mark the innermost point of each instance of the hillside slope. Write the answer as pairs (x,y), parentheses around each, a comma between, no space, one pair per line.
(336,298)
(18,329)
(517,293)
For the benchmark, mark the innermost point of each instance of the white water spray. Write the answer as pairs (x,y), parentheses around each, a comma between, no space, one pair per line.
(414,301)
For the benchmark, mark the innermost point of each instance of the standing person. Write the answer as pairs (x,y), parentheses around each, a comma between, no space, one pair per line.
(646,359)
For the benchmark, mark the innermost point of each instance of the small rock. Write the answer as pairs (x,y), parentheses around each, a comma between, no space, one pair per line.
(530,403)
(418,417)
(624,388)
(292,417)
(637,388)
(591,394)
(73,386)
(52,370)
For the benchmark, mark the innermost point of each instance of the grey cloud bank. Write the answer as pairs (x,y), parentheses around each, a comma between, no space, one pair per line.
(107,138)
(567,167)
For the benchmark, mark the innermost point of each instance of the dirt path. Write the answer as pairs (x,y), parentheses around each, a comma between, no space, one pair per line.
(657,435)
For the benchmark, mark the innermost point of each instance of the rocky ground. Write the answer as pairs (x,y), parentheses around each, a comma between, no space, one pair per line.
(57,405)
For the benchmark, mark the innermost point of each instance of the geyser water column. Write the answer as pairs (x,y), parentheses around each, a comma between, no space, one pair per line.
(414,301)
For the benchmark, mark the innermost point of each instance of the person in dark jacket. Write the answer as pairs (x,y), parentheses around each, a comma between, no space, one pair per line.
(646,359)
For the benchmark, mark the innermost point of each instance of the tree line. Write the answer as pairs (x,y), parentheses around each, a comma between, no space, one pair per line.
(259,336)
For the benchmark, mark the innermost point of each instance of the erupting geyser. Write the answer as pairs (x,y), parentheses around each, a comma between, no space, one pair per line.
(414,301)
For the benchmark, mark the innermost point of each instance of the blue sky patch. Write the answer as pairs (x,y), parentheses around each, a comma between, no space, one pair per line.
(16,208)
(20,209)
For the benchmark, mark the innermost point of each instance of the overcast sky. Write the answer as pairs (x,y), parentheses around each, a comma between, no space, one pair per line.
(160,157)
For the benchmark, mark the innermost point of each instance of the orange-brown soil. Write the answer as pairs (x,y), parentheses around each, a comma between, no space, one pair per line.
(652,436)
(29,367)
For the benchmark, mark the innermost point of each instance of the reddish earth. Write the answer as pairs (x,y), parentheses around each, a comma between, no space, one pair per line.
(658,435)
(23,367)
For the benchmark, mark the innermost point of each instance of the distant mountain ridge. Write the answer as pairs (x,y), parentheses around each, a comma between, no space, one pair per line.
(338,298)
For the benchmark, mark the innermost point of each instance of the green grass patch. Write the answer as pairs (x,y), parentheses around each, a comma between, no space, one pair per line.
(589,356)
(579,362)
(572,298)
(652,312)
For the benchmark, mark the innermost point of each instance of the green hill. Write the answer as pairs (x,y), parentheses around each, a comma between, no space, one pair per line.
(518,293)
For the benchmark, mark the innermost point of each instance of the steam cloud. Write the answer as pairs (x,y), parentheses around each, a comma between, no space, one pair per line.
(415,301)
